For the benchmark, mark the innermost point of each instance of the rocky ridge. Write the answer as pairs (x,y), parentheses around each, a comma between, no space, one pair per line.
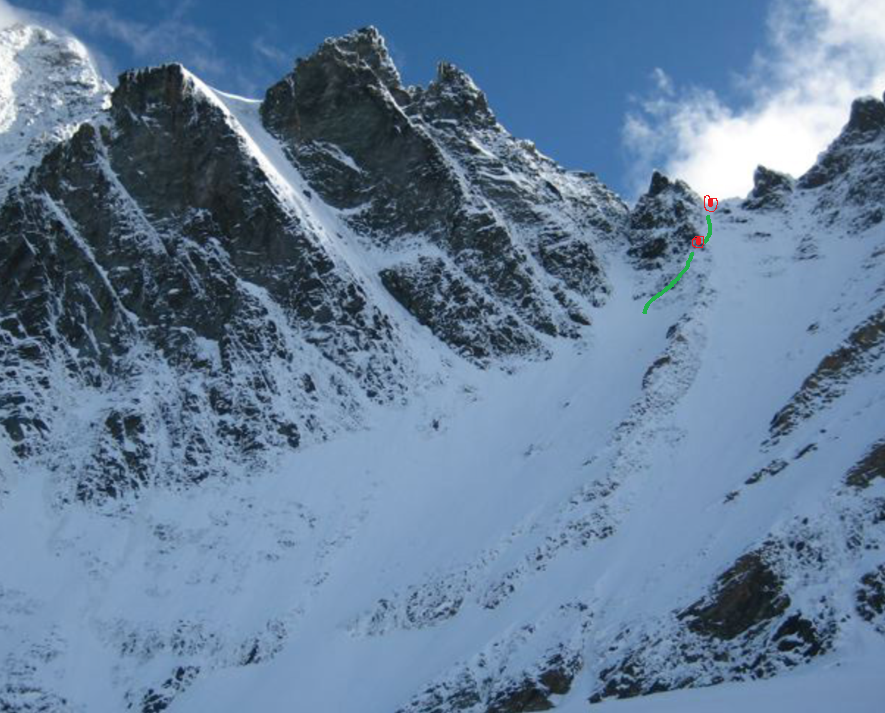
(484,240)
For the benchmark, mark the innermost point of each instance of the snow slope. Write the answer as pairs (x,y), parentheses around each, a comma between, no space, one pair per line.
(408,511)
(437,505)
(853,686)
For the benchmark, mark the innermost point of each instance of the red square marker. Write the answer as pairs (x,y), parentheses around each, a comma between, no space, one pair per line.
(698,241)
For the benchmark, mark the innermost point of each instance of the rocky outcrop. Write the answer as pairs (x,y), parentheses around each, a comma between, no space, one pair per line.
(862,350)
(533,690)
(868,468)
(870,598)
(663,223)
(849,173)
(745,627)
(469,321)
(421,172)
(771,190)
(747,594)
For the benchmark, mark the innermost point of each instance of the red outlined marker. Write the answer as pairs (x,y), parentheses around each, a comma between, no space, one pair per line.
(698,241)
(708,204)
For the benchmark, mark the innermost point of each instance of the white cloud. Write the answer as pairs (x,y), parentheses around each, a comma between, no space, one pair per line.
(822,54)
(8,14)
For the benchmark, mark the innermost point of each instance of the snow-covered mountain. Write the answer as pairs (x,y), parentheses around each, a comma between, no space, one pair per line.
(48,86)
(344,400)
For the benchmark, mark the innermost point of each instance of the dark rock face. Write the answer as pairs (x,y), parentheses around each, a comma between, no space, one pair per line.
(742,628)
(526,696)
(867,116)
(770,190)
(663,223)
(449,305)
(798,634)
(850,171)
(430,171)
(870,597)
(155,250)
(335,99)
(863,348)
(555,677)
(558,673)
(155,701)
(747,594)
(659,183)
(768,471)
(530,691)
(870,467)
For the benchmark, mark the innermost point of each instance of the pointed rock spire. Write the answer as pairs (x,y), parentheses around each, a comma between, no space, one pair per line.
(453,95)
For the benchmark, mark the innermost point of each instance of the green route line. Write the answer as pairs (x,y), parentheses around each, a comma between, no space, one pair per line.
(678,277)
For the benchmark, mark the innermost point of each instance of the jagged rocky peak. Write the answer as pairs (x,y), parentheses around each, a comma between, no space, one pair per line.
(338,114)
(166,142)
(770,189)
(662,189)
(662,185)
(365,46)
(142,90)
(168,94)
(48,86)
(430,178)
(659,183)
(348,76)
(865,124)
(851,171)
(453,96)
(665,216)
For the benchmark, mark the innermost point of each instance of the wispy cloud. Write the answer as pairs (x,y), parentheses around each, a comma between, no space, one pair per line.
(821,55)
(272,55)
(270,52)
(172,39)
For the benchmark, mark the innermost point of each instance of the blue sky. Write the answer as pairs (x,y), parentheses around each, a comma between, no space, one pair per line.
(610,86)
